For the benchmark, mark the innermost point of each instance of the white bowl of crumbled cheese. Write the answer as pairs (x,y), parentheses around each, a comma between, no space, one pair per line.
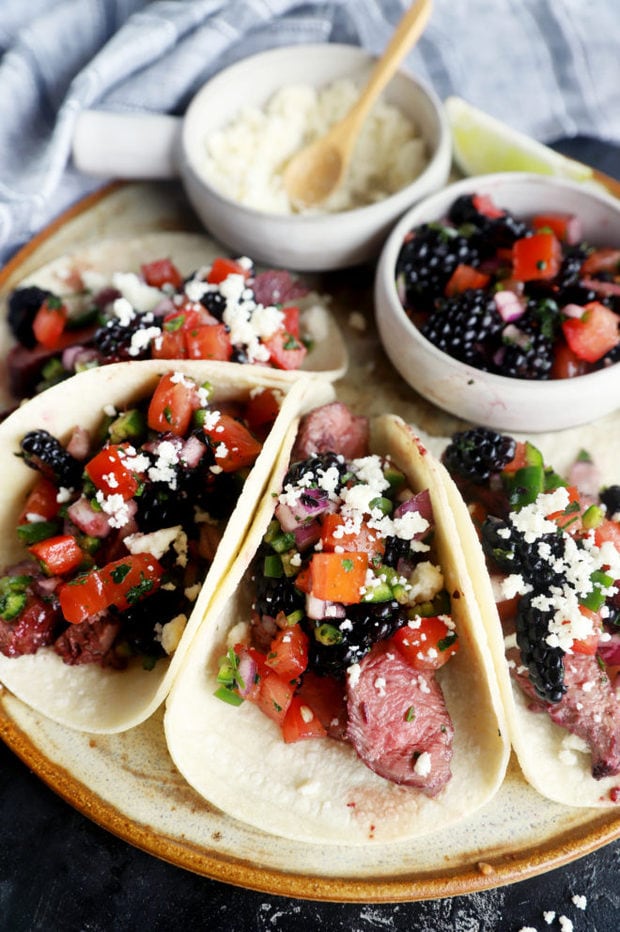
(246,122)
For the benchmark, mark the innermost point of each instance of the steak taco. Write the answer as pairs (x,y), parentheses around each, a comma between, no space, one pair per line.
(340,690)
(550,594)
(161,296)
(126,493)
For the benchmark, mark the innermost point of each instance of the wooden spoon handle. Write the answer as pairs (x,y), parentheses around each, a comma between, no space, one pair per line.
(407,32)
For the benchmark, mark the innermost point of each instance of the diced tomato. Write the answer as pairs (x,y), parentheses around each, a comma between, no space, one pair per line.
(49,322)
(186,316)
(339,577)
(131,578)
(566,363)
(486,206)
(564,226)
(109,474)
(233,444)
(222,268)
(301,722)
(275,695)
(303,580)
(261,411)
(288,653)
(607,530)
(602,260)
(326,697)
(162,272)
(120,583)
(428,646)
(209,341)
(58,555)
(537,256)
(169,344)
(286,351)
(42,502)
(519,460)
(570,518)
(366,540)
(589,644)
(593,334)
(173,404)
(465,277)
(291,320)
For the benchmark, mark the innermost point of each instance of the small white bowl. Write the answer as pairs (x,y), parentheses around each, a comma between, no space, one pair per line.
(484,398)
(321,241)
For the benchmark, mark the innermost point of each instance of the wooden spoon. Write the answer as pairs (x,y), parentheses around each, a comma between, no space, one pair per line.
(316,170)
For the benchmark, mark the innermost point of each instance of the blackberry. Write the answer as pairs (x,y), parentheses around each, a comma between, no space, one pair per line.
(545,664)
(428,259)
(23,305)
(139,621)
(396,549)
(311,465)
(467,327)
(477,453)
(539,562)
(370,623)
(45,453)
(499,231)
(215,303)
(570,268)
(527,350)
(610,497)
(113,339)
(275,595)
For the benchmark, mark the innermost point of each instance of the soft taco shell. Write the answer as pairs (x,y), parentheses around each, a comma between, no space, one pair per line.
(554,762)
(318,790)
(88,697)
(327,355)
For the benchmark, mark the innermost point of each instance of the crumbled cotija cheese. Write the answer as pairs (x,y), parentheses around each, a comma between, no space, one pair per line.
(245,159)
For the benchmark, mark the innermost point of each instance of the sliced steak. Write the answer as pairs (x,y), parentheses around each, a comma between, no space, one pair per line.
(398,721)
(332,427)
(88,642)
(34,628)
(589,709)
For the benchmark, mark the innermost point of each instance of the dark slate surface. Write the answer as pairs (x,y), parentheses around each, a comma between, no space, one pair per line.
(61,873)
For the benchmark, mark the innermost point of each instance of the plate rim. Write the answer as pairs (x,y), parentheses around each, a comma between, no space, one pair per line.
(483,874)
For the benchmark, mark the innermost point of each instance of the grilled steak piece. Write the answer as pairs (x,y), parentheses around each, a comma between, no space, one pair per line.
(589,709)
(332,427)
(398,721)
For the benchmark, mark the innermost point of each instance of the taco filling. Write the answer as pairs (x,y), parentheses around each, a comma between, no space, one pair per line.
(351,618)
(552,547)
(122,524)
(225,310)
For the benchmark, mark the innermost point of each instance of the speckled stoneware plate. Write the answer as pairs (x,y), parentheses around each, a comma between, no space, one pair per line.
(127,782)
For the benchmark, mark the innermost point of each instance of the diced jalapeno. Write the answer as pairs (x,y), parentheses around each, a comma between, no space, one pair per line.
(328,635)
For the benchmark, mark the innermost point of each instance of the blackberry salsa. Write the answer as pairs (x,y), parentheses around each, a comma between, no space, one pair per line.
(223,311)
(349,600)
(552,547)
(524,298)
(120,528)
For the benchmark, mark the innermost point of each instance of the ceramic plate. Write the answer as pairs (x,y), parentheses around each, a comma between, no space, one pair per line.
(128,784)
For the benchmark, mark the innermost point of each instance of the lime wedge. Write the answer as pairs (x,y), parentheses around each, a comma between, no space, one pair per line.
(483,144)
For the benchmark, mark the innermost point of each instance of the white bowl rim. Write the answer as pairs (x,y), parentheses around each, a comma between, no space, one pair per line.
(386,281)
(443,150)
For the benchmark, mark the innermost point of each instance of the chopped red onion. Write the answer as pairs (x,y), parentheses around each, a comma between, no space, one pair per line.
(320,608)
(509,305)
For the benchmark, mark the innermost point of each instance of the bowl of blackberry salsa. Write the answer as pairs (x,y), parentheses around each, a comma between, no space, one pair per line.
(498,299)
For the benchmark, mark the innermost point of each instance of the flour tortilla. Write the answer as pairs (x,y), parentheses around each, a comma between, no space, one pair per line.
(88,697)
(327,355)
(552,760)
(319,790)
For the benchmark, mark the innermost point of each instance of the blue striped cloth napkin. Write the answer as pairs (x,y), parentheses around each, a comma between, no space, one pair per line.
(548,67)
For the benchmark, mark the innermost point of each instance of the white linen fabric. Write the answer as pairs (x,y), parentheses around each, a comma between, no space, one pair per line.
(548,67)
